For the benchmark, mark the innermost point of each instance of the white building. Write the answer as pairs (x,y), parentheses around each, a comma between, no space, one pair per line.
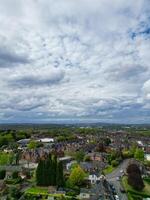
(46,140)
(93,178)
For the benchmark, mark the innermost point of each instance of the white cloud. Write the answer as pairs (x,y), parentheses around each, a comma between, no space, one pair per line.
(74,59)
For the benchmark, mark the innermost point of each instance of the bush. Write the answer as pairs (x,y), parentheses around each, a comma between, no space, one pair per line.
(34,144)
(2,174)
(147,163)
(139,154)
(114,163)
(5,158)
(13,181)
(72,193)
(14,193)
(15,174)
(87,158)
(79,156)
(126,154)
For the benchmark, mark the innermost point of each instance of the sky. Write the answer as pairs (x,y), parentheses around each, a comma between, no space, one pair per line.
(74,60)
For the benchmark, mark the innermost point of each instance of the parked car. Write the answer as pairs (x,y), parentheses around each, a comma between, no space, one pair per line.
(116,197)
(113,188)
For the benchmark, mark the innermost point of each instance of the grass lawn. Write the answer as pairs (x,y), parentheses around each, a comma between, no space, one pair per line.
(108,169)
(5,158)
(132,193)
(37,190)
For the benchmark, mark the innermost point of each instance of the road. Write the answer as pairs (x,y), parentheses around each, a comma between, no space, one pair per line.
(111,178)
(117,172)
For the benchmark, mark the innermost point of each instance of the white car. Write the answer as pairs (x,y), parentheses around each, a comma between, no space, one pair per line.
(116,197)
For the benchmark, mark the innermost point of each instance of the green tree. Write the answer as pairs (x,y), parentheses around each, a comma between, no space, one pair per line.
(79,156)
(17,157)
(107,141)
(39,173)
(77,176)
(126,153)
(2,174)
(114,163)
(49,172)
(139,154)
(60,175)
(3,141)
(53,170)
(14,193)
(147,163)
(11,158)
(133,149)
(15,174)
(34,144)
(87,158)
(14,146)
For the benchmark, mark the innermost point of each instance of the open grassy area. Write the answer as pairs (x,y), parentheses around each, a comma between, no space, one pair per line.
(134,194)
(5,158)
(37,190)
(108,169)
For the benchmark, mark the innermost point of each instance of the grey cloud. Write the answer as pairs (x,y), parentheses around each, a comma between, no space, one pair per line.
(20,103)
(28,107)
(128,72)
(9,58)
(37,79)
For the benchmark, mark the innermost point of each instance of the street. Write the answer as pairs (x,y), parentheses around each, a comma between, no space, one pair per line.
(112,178)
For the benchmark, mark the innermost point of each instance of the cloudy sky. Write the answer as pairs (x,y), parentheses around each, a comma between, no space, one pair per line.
(75,60)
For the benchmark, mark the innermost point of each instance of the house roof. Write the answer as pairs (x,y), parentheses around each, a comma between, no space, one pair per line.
(24,141)
(91,165)
(86,165)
